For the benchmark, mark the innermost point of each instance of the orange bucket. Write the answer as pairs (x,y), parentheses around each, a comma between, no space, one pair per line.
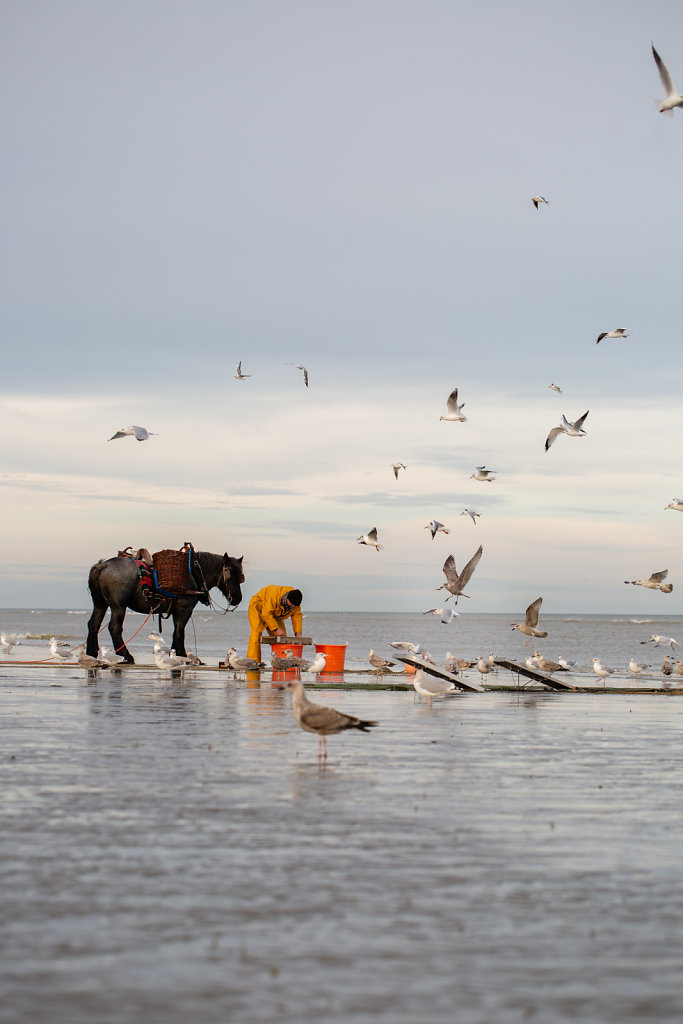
(335,656)
(410,669)
(280,649)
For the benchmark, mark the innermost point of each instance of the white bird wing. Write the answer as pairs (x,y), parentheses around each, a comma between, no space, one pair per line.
(663,73)
(657,577)
(452,401)
(578,424)
(553,435)
(372,535)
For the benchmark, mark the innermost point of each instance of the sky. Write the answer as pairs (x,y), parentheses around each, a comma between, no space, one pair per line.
(346,186)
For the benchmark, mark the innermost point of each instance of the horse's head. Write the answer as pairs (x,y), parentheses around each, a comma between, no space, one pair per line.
(230,579)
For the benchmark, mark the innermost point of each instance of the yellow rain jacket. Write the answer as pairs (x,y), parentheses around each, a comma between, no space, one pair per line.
(266,611)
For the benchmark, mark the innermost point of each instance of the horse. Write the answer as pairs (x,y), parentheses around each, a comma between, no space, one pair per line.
(114,583)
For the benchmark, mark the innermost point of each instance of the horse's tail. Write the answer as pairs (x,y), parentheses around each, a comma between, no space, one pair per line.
(94,581)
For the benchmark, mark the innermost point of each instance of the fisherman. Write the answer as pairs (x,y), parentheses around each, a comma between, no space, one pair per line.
(268,609)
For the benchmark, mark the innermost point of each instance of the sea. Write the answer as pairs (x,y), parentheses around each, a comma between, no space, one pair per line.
(172,849)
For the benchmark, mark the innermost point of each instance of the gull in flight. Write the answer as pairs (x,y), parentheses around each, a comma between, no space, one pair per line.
(661,641)
(537,200)
(529,626)
(673,98)
(574,429)
(305,373)
(455,584)
(676,504)
(431,687)
(654,582)
(447,614)
(484,474)
(320,719)
(370,539)
(238,372)
(554,387)
(139,433)
(396,466)
(602,671)
(435,526)
(454,413)
(472,514)
(620,332)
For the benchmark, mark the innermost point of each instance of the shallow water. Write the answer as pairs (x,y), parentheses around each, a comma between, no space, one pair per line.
(174,852)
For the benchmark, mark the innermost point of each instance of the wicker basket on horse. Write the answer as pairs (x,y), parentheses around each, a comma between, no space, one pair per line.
(173,570)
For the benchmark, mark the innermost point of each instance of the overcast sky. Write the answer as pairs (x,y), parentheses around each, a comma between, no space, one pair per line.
(345,185)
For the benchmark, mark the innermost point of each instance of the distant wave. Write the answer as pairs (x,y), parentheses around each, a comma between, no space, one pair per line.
(572,620)
(639,622)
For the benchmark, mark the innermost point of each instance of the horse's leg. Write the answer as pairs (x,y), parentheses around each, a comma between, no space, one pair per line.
(94,623)
(181,616)
(116,632)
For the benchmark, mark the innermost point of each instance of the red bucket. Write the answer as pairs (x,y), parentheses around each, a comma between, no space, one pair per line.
(335,656)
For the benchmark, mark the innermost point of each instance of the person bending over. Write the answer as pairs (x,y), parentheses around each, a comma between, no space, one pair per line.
(269,609)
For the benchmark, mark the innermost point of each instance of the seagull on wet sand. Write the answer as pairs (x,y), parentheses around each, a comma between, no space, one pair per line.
(431,686)
(673,98)
(447,614)
(529,626)
(537,200)
(676,504)
(654,582)
(454,414)
(661,641)
(620,332)
(472,514)
(483,474)
(370,538)
(602,671)
(139,433)
(396,466)
(238,372)
(110,658)
(574,429)
(87,661)
(169,661)
(379,664)
(455,584)
(61,655)
(320,719)
(569,665)
(667,667)
(637,667)
(435,526)
(7,643)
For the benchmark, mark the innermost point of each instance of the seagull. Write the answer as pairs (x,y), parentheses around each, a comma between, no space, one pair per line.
(676,504)
(654,582)
(447,614)
(679,667)
(601,670)
(637,667)
(667,667)
(482,473)
(158,639)
(322,720)
(305,373)
(569,665)
(435,526)
(472,514)
(454,413)
(283,664)
(239,663)
(483,668)
(620,332)
(546,665)
(554,387)
(528,627)
(425,655)
(87,661)
(574,429)
(673,98)
(110,658)
(294,660)
(170,661)
(396,466)
(661,641)
(370,538)
(379,664)
(139,433)
(54,646)
(405,645)
(431,687)
(455,584)
(531,662)
(451,664)
(238,372)
(318,664)
(537,200)
(7,643)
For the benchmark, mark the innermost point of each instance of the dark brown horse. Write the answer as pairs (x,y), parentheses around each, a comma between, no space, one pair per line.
(114,583)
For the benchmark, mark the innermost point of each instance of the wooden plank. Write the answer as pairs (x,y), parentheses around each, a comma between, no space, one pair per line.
(441,673)
(538,677)
(287,640)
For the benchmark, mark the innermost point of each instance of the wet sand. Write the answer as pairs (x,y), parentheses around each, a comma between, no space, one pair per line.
(174,851)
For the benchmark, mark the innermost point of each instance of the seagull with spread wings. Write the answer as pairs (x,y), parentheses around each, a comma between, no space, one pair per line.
(456,582)
(454,413)
(574,429)
(655,581)
(673,98)
(530,625)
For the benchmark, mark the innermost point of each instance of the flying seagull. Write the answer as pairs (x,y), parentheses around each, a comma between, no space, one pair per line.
(484,474)
(305,373)
(654,582)
(676,504)
(435,527)
(673,98)
(537,200)
(447,614)
(529,626)
(620,332)
(322,720)
(238,372)
(396,466)
(472,514)
(454,413)
(661,641)
(574,429)
(455,584)
(139,433)
(554,387)
(370,538)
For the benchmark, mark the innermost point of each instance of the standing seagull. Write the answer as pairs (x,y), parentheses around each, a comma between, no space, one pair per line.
(546,665)
(673,98)
(528,627)
(676,504)
(454,413)
(396,466)
(484,474)
(601,670)
(370,539)
(322,720)
(570,429)
(139,433)
(431,687)
(537,200)
(378,663)
(238,372)
(620,332)
(654,582)
(455,584)
(473,515)
(435,526)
